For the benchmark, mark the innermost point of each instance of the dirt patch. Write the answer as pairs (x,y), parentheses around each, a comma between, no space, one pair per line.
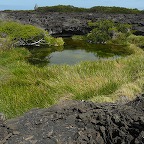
(78,122)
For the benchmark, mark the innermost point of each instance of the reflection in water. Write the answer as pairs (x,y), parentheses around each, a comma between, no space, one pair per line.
(71,57)
(75,51)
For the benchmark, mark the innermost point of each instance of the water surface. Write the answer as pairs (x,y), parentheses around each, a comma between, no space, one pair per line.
(75,51)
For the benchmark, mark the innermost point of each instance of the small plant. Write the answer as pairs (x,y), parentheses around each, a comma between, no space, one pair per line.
(78,37)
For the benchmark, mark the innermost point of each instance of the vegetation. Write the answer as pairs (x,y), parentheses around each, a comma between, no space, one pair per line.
(20,34)
(137,40)
(60,8)
(119,10)
(5,44)
(98,9)
(107,31)
(24,86)
(78,37)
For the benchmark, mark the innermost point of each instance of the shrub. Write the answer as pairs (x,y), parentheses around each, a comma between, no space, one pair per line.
(51,41)
(22,34)
(78,37)
(106,30)
(19,31)
(97,36)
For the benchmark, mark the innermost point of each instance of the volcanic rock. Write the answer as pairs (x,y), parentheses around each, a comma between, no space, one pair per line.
(78,122)
(67,24)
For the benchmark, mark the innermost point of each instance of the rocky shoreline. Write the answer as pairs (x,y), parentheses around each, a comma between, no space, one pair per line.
(78,122)
(71,23)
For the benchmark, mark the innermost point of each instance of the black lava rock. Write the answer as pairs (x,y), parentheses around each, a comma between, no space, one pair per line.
(78,122)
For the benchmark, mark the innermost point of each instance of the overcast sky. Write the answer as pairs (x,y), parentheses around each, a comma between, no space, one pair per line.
(29,4)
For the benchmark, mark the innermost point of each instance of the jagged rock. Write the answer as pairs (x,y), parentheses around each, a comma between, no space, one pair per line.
(72,23)
(78,122)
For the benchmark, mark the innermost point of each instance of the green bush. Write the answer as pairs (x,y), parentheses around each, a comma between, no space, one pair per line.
(51,41)
(19,31)
(97,36)
(78,37)
(106,31)
(22,34)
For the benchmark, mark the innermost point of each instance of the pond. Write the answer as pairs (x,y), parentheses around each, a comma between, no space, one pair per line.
(73,52)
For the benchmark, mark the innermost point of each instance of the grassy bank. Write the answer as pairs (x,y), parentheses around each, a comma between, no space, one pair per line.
(24,86)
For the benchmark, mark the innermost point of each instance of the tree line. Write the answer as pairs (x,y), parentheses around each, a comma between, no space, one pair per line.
(98,9)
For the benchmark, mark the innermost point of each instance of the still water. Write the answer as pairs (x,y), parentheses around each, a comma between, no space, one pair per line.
(73,52)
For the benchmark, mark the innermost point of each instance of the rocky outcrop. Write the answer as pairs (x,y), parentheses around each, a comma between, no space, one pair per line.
(72,23)
(78,122)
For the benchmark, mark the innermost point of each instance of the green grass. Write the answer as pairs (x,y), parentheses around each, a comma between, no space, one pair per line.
(78,37)
(137,40)
(24,86)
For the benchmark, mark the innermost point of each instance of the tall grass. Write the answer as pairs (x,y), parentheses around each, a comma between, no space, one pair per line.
(5,44)
(24,86)
(137,40)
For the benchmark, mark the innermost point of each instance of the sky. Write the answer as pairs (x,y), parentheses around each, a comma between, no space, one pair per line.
(29,4)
